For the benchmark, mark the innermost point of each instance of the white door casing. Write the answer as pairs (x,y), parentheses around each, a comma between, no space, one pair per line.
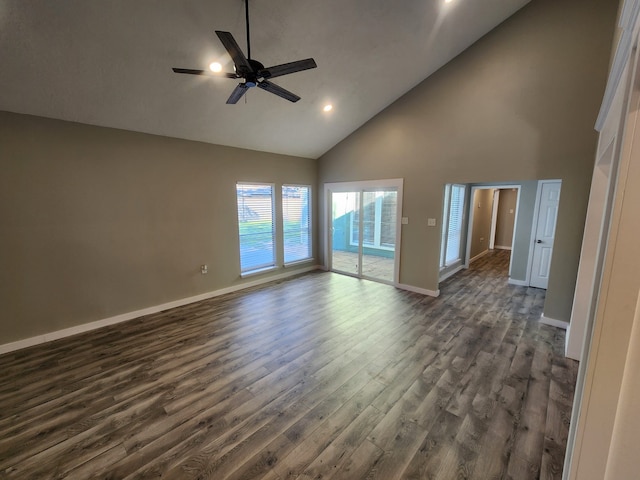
(545,234)
(494,218)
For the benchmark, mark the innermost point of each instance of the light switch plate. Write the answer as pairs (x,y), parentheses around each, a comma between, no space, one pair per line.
(431,222)
(405,220)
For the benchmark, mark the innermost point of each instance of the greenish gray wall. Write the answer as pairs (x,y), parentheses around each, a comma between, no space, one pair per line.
(505,219)
(519,104)
(96,222)
(481,228)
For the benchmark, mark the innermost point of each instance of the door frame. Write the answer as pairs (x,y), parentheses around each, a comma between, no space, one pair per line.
(534,225)
(359,186)
(493,219)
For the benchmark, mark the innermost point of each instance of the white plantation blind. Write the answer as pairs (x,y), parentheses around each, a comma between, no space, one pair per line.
(256,226)
(452,225)
(296,205)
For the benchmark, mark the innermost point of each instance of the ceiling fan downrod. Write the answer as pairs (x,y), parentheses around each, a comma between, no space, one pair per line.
(246,2)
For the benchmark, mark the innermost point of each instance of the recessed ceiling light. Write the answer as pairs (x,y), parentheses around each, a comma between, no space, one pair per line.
(448,1)
(215,67)
(328,107)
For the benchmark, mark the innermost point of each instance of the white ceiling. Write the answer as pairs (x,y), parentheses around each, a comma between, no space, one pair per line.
(108,63)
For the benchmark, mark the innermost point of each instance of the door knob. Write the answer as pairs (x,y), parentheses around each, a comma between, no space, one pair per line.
(538,241)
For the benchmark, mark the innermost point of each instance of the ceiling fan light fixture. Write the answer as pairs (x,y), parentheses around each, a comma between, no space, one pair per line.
(249,69)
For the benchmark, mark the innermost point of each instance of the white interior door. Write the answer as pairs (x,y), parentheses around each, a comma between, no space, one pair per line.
(544,234)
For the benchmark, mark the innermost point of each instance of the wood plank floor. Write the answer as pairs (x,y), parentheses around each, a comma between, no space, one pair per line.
(321,376)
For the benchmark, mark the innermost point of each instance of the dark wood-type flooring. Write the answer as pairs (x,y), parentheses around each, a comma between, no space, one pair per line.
(316,377)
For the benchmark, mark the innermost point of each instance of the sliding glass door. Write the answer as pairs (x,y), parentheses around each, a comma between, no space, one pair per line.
(345,255)
(364,232)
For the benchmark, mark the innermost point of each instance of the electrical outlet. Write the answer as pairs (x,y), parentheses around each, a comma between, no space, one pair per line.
(204,269)
(431,222)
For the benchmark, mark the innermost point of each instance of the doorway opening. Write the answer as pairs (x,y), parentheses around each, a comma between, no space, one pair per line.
(528,229)
(493,210)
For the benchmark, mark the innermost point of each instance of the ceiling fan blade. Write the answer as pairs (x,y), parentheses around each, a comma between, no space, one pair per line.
(230,44)
(237,93)
(287,68)
(278,90)
(206,73)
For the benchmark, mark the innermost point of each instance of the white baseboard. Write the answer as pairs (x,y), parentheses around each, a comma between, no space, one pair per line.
(423,291)
(86,327)
(481,254)
(553,322)
(501,247)
(522,283)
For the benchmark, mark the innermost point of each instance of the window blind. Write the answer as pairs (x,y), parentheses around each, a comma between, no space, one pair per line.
(296,205)
(256,226)
(454,229)
(445,225)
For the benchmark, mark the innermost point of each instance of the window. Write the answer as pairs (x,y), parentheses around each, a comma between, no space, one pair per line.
(452,225)
(296,204)
(378,220)
(256,226)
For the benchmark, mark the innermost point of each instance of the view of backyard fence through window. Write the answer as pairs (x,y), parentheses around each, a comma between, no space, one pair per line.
(256,225)
(296,225)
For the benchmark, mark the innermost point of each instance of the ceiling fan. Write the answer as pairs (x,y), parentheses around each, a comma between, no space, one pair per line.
(253,73)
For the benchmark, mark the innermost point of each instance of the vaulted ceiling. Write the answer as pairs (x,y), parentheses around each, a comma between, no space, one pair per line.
(108,63)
